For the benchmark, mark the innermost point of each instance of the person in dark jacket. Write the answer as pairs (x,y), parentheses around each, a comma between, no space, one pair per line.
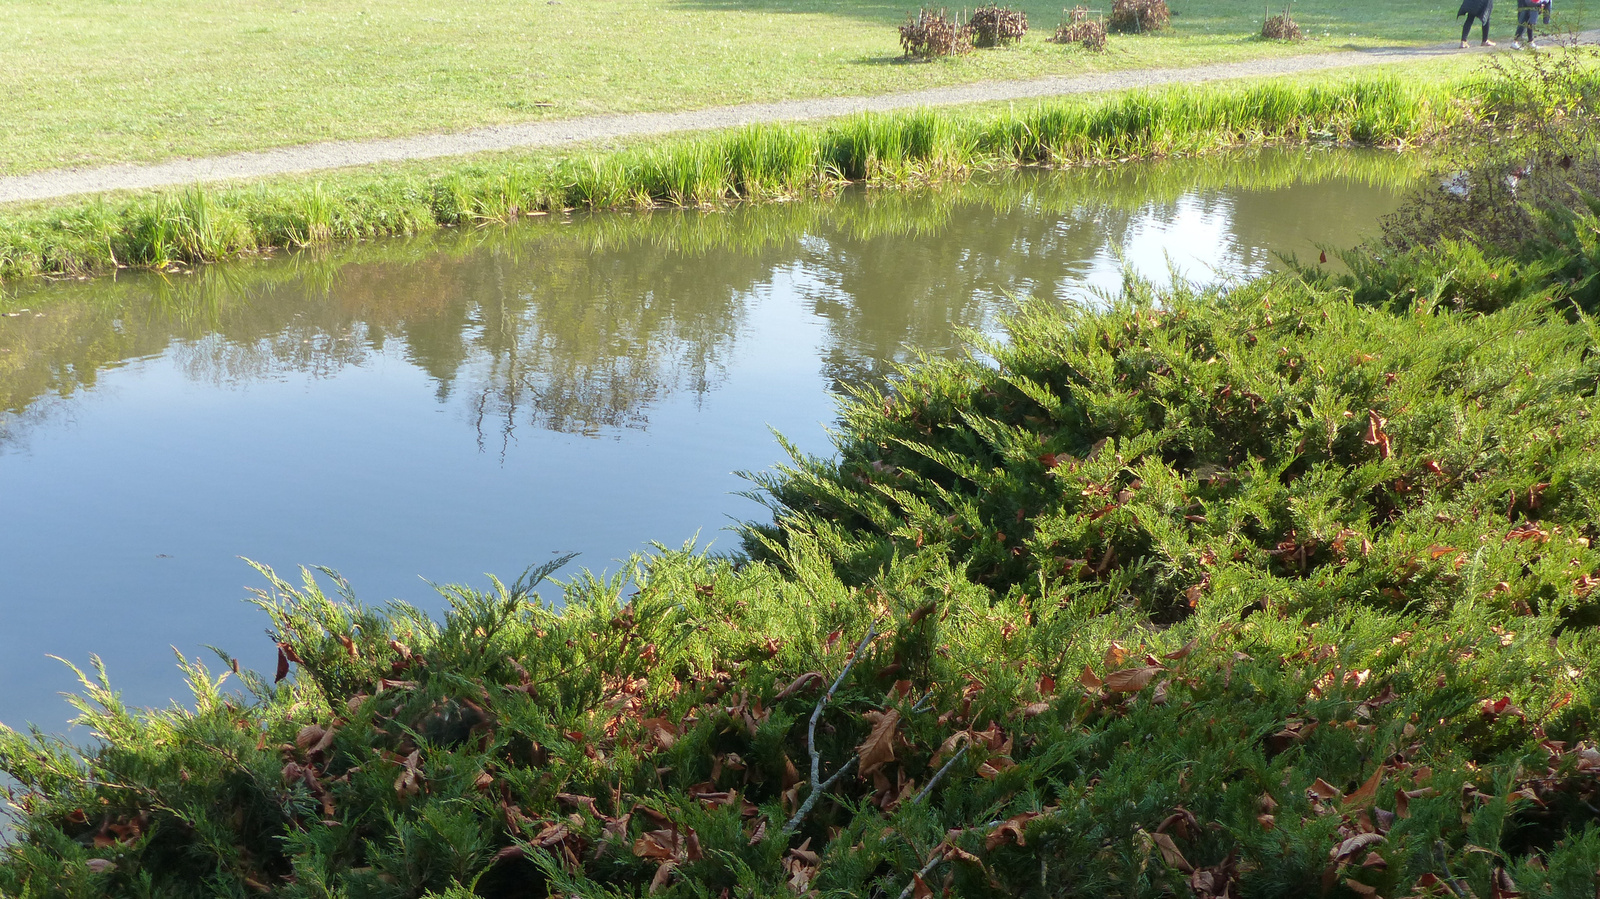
(1475,9)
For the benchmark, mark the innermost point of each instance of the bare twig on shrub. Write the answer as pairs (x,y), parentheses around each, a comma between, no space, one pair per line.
(818,785)
(1444,864)
(939,775)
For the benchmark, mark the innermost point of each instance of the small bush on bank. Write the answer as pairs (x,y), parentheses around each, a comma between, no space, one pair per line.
(997,26)
(931,34)
(1082,30)
(1282,27)
(1520,183)
(1139,16)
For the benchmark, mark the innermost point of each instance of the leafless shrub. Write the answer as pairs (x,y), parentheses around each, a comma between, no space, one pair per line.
(997,26)
(933,33)
(1080,29)
(1139,16)
(1282,27)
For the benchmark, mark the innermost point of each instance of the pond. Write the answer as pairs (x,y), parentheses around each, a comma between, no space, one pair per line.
(483,400)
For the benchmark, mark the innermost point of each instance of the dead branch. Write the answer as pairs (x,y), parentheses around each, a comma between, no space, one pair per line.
(940,774)
(818,785)
(1444,863)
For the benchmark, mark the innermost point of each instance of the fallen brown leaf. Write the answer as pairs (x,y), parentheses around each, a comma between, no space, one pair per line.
(1170,853)
(877,749)
(1131,680)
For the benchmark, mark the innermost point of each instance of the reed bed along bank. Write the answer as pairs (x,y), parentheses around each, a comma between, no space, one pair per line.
(197,225)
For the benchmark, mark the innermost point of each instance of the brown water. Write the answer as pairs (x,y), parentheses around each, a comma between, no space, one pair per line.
(479,401)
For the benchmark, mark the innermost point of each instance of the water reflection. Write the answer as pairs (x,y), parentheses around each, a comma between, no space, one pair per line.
(580,324)
(474,400)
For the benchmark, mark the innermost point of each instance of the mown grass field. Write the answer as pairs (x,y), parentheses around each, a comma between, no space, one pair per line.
(87,82)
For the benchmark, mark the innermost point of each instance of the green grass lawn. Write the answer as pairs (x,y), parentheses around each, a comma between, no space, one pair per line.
(87,82)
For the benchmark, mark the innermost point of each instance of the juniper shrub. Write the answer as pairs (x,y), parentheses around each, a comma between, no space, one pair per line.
(1235,591)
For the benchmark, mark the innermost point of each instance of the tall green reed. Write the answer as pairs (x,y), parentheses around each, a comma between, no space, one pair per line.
(759,161)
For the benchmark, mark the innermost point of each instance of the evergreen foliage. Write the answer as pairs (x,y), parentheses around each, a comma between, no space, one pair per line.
(1239,643)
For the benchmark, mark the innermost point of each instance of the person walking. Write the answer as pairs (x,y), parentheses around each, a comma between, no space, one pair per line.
(1476,9)
(1528,14)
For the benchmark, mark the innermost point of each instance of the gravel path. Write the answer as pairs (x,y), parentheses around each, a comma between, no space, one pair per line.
(343,154)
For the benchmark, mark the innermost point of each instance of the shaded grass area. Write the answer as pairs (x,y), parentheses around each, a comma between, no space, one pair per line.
(759,162)
(91,82)
(1305,597)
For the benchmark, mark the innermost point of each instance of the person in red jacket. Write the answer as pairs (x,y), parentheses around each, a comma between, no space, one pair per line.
(1475,9)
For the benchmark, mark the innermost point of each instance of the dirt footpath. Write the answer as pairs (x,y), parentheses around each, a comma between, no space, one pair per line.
(345,154)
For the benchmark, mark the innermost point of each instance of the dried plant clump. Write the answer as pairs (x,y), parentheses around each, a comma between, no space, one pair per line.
(1080,29)
(934,33)
(1282,27)
(1139,16)
(997,26)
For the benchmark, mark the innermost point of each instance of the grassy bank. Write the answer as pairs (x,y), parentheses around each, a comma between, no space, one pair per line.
(1281,589)
(92,82)
(199,225)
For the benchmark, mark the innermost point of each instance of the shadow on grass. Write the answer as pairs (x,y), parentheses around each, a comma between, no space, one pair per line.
(882,13)
(895,60)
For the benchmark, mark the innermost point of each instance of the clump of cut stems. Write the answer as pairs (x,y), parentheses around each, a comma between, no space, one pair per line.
(1090,33)
(1139,16)
(997,26)
(1282,27)
(934,33)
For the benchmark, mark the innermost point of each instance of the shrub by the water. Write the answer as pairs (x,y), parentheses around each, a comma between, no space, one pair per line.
(1232,593)
(1080,29)
(997,26)
(1139,16)
(933,33)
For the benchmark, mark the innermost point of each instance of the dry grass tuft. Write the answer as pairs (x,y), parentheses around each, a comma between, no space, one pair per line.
(1139,16)
(997,26)
(1080,29)
(934,33)
(1282,27)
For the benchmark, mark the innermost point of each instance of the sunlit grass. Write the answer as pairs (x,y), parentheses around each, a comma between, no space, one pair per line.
(89,81)
(757,162)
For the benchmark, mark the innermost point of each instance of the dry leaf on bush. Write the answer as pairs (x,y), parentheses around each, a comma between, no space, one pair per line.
(877,749)
(1132,680)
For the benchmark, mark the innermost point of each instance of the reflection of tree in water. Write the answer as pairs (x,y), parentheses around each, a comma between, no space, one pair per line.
(526,327)
(591,341)
(583,326)
(886,297)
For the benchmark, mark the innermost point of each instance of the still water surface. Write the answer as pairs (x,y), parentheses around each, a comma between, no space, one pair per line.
(479,401)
